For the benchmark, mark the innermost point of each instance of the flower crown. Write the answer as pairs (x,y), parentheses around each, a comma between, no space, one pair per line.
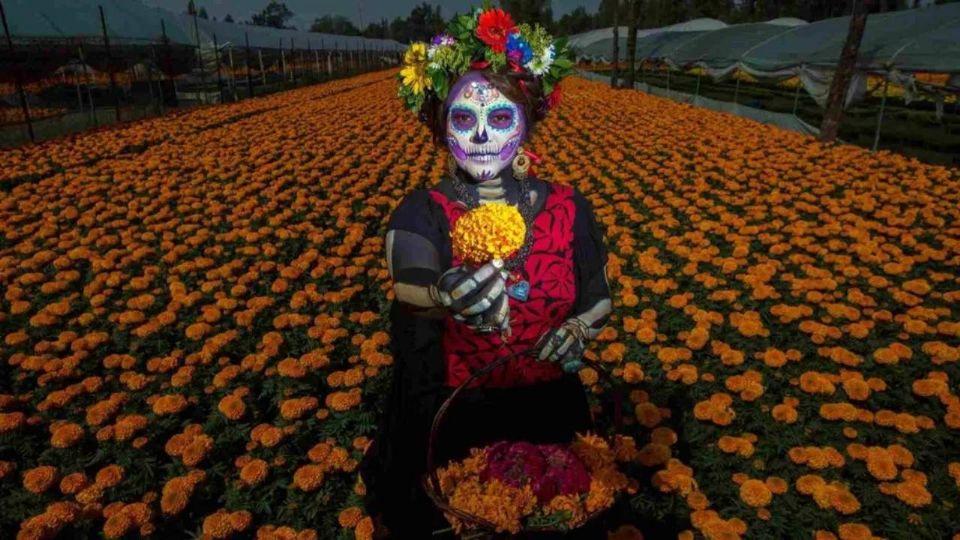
(486,39)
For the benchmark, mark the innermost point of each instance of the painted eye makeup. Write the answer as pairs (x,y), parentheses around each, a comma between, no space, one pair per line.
(462,119)
(501,118)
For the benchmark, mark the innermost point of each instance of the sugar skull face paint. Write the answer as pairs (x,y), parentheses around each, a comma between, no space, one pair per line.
(484,128)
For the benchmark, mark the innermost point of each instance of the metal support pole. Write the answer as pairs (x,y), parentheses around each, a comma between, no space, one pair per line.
(246,40)
(169,61)
(796,96)
(76,80)
(113,80)
(153,97)
(216,50)
(283,63)
(160,81)
(18,76)
(697,92)
(736,92)
(93,107)
(293,60)
(316,62)
(203,74)
(668,78)
(883,106)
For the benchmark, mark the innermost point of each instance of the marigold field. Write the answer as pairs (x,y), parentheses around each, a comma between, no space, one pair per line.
(193,319)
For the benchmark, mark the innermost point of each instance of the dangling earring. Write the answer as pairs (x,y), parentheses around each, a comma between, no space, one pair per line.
(451,166)
(521,164)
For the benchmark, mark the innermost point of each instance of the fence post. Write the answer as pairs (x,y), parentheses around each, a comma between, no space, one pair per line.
(883,106)
(736,92)
(233,75)
(18,76)
(263,74)
(283,62)
(113,80)
(246,40)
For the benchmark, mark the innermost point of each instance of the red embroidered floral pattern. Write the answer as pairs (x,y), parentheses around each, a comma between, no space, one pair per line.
(549,269)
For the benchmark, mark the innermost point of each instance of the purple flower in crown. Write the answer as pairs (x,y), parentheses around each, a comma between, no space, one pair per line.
(440,40)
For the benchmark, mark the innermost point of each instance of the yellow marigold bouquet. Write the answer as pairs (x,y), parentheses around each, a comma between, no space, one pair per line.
(490,231)
(521,485)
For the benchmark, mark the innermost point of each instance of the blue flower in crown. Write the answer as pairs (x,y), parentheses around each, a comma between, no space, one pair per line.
(518,50)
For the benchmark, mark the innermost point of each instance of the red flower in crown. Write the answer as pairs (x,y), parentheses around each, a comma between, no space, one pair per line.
(493,28)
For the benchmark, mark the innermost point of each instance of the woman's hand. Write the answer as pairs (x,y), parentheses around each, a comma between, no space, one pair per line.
(564,345)
(476,297)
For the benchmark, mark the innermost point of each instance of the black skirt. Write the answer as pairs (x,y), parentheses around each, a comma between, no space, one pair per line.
(395,463)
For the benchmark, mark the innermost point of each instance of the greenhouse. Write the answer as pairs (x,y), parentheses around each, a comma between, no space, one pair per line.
(916,40)
(73,64)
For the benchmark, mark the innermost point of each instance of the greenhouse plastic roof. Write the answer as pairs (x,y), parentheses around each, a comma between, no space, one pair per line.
(601,40)
(265,37)
(64,19)
(916,40)
(920,39)
(721,48)
(130,21)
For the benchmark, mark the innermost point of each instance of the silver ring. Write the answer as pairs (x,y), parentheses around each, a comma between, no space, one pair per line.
(486,329)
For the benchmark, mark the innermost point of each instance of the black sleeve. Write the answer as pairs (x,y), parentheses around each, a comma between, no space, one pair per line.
(421,245)
(590,256)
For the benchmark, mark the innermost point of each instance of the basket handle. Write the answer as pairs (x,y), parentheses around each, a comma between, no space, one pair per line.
(442,411)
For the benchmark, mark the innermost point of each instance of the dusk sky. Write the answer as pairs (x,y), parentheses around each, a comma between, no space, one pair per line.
(373,10)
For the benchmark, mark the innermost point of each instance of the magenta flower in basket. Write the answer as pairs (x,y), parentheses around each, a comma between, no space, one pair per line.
(512,484)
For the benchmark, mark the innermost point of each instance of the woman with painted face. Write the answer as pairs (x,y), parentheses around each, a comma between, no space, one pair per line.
(450,319)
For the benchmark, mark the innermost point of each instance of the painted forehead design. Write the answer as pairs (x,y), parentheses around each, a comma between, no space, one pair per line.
(481,93)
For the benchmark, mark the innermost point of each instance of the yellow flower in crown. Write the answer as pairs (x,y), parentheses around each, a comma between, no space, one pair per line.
(490,231)
(414,72)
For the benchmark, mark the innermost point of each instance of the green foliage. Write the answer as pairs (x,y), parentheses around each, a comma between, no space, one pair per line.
(275,15)
(334,24)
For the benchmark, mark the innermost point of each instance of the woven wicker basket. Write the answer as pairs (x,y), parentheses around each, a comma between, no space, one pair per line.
(431,481)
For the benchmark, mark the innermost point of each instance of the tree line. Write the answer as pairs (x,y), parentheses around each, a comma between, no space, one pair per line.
(426,20)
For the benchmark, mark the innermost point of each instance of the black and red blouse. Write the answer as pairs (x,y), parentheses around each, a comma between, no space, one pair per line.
(565,269)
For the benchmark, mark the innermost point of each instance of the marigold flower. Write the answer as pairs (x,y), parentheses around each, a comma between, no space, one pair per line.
(254,472)
(488,232)
(39,479)
(755,493)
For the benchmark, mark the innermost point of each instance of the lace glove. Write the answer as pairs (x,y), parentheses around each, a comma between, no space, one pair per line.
(474,296)
(564,345)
